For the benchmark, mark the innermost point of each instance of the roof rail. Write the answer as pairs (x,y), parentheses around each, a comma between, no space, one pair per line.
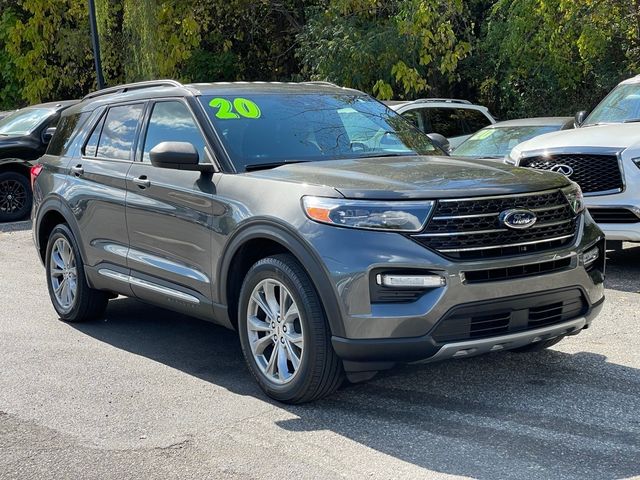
(127,87)
(445,100)
(321,82)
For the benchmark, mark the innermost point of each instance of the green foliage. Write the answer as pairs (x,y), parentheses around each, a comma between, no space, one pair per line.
(401,47)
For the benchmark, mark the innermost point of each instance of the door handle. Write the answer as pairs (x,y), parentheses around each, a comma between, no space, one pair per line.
(142,181)
(77,170)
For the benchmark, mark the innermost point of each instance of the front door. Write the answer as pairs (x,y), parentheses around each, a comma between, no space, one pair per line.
(169,217)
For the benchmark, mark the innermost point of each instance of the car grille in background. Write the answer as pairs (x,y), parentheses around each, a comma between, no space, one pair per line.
(594,173)
(613,215)
(502,317)
(470,229)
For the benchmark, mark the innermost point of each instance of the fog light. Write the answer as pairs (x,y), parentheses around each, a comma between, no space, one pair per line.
(410,281)
(591,256)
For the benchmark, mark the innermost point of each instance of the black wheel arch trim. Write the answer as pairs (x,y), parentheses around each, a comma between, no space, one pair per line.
(285,235)
(55,204)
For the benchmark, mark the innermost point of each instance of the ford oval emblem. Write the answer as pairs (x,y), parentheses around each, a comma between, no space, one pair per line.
(517,219)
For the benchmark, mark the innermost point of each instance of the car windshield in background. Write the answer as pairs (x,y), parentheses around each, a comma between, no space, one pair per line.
(621,105)
(263,129)
(498,142)
(23,121)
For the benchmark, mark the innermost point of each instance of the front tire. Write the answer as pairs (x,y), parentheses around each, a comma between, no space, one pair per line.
(70,294)
(284,332)
(15,196)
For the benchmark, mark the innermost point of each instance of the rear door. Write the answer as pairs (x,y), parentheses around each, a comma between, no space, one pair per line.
(97,191)
(169,216)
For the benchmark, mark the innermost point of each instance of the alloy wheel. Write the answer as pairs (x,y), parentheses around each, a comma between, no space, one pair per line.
(13,196)
(275,331)
(63,273)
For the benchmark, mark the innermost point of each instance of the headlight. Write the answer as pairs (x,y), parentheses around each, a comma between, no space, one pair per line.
(574,197)
(400,216)
(514,156)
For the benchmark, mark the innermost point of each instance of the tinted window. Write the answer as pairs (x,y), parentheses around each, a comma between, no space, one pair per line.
(22,122)
(91,147)
(263,128)
(119,132)
(454,122)
(66,131)
(172,122)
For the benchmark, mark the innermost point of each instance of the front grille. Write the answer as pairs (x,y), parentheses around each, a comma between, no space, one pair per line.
(594,173)
(471,229)
(613,215)
(517,271)
(510,315)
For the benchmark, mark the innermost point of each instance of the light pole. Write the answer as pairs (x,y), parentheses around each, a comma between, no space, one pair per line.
(95,40)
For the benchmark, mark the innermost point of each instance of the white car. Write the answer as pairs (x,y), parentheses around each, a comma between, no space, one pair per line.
(455,119)
(602,156)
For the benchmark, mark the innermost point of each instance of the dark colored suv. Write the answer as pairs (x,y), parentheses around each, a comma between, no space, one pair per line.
(24,135)
(319,224)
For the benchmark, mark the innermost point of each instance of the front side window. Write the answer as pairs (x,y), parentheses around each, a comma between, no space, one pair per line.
(173,122)
(118,132)
(621,105)
(269,128)
(25,121)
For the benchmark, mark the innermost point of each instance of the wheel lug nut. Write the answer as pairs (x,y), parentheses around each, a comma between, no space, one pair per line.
(282,340)
(284,328)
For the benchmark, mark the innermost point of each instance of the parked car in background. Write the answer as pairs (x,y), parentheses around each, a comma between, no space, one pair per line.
(497,140)
(455,119)
(331,234)
(602,156)
(24,135)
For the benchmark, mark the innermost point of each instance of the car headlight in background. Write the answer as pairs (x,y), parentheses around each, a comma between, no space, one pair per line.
(514,156)
(573,193)
(400,216)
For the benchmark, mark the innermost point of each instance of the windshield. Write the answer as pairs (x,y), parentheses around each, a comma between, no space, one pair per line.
(22,122)
(498,141)
(621,105)
(264,129)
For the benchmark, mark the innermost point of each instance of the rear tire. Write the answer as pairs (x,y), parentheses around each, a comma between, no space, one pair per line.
(15,196)
(538,346)
(284,333)
(70,294)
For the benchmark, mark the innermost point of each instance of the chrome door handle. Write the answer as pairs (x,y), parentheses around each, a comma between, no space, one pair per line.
(77,170)
(142,181)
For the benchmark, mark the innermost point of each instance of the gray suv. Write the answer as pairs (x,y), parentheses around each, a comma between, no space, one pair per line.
(321,225)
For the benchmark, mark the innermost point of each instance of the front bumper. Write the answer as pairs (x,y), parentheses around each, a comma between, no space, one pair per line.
(403,331)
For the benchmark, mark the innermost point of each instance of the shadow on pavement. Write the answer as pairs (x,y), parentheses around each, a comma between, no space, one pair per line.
(546,415)
(623,269)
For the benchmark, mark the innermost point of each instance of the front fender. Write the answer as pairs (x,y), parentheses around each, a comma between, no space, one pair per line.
(274,230)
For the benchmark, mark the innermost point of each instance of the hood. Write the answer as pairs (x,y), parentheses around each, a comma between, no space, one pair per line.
(618,136)
(416,177)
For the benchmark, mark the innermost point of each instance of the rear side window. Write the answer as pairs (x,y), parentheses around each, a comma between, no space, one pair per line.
(66,131)
(114,135)
(172,122)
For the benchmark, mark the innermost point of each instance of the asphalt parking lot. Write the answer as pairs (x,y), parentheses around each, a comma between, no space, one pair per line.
(147,393)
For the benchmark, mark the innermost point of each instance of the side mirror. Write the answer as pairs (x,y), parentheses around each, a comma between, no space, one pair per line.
(579,119)
(177,156)
(440,141)
(48,134)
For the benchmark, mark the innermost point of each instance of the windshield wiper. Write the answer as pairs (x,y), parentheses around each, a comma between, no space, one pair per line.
(633,120)
(383,155)
(266,166)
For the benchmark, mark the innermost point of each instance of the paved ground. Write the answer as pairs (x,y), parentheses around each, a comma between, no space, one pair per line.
(150,394)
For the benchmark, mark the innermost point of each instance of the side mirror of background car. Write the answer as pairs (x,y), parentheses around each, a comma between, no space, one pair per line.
(177,156)
(580,118)
(48,134)
(440,141)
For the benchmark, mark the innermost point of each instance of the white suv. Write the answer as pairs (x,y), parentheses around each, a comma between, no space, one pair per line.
(455,119)
(602,156)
